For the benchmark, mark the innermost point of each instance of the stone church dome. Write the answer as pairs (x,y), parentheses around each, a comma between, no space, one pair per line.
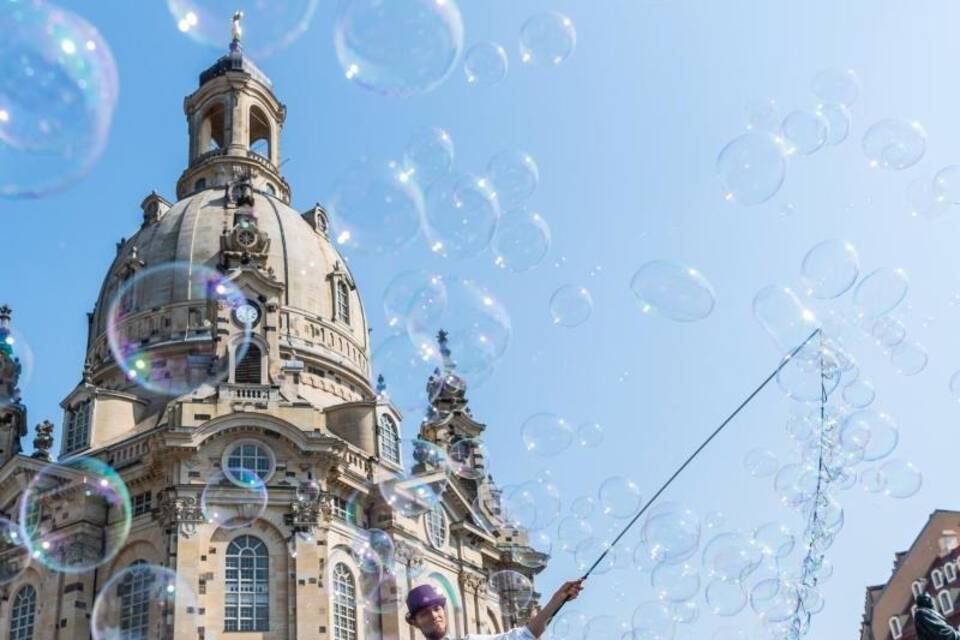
(233,216)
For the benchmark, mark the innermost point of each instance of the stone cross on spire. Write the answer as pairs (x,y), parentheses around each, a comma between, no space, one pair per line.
(237,29)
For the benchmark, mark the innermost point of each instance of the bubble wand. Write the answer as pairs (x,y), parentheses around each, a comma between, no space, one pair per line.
(693,455)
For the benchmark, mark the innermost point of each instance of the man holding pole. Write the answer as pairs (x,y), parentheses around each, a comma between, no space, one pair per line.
(425,611)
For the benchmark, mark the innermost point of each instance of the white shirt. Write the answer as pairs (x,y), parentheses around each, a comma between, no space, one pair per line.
(520,633)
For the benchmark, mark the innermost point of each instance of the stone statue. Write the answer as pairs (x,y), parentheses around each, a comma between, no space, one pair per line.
(929,623)
(237,29)
(44,440)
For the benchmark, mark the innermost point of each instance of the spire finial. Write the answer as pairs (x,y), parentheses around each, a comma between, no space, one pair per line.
(237,29)
(443,339)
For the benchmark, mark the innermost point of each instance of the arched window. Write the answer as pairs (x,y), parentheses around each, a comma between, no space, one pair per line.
(917,588)
(937,576)
(389,440)
(248,368)
(200,184)
(343,302)
(23,614)
(213,129)
(950,570)
(259,132)
(77,431)
(436,521)
(134,594)
(946,602)
(344,604)
(896,628)
(247,585)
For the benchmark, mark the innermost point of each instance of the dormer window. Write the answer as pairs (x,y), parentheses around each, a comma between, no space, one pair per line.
(77,429)
(343,301)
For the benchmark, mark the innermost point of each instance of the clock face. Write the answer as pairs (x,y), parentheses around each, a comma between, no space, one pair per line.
(247,314)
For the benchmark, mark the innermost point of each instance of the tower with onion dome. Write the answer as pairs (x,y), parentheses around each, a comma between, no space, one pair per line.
(225,431)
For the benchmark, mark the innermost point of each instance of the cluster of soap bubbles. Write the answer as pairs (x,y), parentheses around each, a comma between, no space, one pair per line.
(753,166)
(58,90)
(382,208)
(267,27)
(546,40)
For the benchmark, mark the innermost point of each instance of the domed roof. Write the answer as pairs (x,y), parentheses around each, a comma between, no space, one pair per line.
(299,258)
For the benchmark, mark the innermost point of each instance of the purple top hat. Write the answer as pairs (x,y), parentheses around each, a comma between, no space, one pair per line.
(423,597)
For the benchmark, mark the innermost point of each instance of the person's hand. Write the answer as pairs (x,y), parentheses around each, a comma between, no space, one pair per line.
(569,590)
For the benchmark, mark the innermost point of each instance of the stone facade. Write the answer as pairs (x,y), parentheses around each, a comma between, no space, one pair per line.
(311,416)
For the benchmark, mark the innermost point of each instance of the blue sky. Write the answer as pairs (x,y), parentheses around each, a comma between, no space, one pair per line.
(626,134)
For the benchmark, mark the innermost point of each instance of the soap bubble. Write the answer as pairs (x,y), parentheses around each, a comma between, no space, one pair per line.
(685,612)
(888,332)
(546,435)
(926,198)
(837,118)
(675,582)
(398,48)
(406,368)
(620,497)
(420,487)
(903,479)
(521,240)
(428,156)
(94,488)
(468,458)
(859,394)
(461,216)
(568,624)
(894,144)
(570,305)
(476,323)
(761,463)
(671,532)
(234,498)
(880,292)
(588,554)
(872,480)
(547,39)
(408,288)
(874,432)
(811,373)
(725,597)
(532,505)
(571,531)
(672,290)
(752,168)
(805,131)
(514,588)
(763,115)
(514,175)
(838,86)
(830,268)
(485,63)
(947,182)
(151,592)
(909,358)
(267,27)
(785,318)
(589,435)
(774,539)
(731,556)
(652,620)
(374,551)
(58,90)
(376,207)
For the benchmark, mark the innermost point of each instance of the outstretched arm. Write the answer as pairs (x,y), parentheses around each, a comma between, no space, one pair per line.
(567,591)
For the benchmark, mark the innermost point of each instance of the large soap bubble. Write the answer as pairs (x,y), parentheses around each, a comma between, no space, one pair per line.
(546,434)
(460,216)
(376,207)
(133,346)
(93,492)
(672,290)
(485,63)
(570,305)
(58,89)
(152,592)
(429,155)
(234,498)
(266,27)
(521,241)
(788,321)
(805,131)
(894,144)
(880,292)
(830,268)
(547,39)
(398,48)
(752,168)
(405,368)
(420,486)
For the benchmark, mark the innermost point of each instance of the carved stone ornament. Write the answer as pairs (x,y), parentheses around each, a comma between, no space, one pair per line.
(182,512)
(304,515)
(239,191)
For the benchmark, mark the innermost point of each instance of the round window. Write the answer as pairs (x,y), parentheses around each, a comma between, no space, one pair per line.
(247,456)
(436,521)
